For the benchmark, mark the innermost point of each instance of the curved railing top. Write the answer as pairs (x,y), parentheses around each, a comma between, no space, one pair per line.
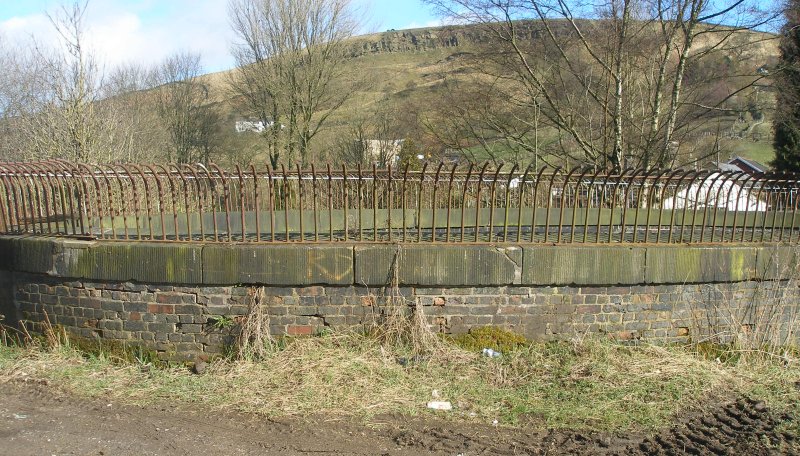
(474,203)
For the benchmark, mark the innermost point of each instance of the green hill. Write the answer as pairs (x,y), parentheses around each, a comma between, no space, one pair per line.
(404,74)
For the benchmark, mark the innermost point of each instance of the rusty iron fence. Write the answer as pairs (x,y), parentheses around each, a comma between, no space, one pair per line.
(439,204)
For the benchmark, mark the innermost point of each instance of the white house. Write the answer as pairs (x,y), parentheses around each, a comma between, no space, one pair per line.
(378,149)
(256,126)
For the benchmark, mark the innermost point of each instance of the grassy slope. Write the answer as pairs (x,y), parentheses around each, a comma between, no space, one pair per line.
(391,81)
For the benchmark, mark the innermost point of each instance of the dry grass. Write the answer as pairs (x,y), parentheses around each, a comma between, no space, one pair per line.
(255,340)
(594,383)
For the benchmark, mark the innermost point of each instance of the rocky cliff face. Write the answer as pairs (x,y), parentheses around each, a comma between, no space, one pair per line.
(424,39)
(416,40)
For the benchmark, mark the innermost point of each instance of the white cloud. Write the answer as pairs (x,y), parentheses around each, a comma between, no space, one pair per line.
(119,31)
(23,29)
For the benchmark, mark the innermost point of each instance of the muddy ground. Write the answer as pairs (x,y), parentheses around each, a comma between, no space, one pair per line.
(37,419)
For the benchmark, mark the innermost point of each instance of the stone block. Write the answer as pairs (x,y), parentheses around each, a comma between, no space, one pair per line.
(595,265)
(777,262)
(172,263)
(277,265)
(695,264)
(438,265)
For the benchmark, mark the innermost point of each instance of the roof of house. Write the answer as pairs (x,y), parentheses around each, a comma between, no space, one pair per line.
(752,164)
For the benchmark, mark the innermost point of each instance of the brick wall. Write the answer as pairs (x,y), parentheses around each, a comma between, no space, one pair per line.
(183,322)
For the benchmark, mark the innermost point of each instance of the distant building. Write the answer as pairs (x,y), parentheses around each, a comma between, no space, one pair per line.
(383,151)
(243,126)
(746,165)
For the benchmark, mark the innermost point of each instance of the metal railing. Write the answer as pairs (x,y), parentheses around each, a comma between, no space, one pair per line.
(439,204)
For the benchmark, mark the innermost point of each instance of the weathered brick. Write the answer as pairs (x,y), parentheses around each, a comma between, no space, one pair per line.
(299,330)
(162,328)
(310,291)
(588,309)
(110,324)
(170,298)
(188,309)
(132,325)
(515,310)
(116,306)
(134,307)
(160,308)
(277,310)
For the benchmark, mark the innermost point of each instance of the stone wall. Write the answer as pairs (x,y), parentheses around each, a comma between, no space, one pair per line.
(185,300)
(183,322)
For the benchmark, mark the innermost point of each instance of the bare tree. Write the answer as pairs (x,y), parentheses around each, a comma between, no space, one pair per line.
(617,83)
(181,105)
(290,56)
(58,116)
(57,102)
(139,134)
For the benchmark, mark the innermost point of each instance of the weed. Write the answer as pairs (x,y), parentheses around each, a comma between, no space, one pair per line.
(221,322)
(10,336)
(403,325)
(761,322)
(493,337)
(55,336)
(255,341)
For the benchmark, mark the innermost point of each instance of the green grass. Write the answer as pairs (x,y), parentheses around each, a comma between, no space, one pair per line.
(761,151)
(590,384)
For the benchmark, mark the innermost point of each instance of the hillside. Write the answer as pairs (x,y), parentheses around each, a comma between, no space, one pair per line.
(402,73)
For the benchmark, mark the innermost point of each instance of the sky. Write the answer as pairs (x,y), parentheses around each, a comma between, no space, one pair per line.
(146,31)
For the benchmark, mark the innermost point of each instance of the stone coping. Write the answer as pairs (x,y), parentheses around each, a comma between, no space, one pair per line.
(410,264)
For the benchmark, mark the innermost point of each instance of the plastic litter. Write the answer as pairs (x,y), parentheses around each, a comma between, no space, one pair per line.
(440,405)
(491,353)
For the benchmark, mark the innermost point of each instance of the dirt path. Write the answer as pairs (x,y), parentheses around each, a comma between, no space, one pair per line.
(36,419)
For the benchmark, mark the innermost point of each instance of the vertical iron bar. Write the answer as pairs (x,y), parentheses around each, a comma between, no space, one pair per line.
(549,205)
(419,202)
(403,202)
(300,201)
(450,201)
(464,199)
(345,202)
(589,191)
(507,202)
(186,207)
(534,203)
(478,201)
(492,200)
(433,202)
(374,203)
(625,196)
(390,206)
(314,201)
(575,204)
(360,211)
(285,190)
(271,191)
(521,201)
(330,204)
(256,202)
(242,202)
(173,197)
